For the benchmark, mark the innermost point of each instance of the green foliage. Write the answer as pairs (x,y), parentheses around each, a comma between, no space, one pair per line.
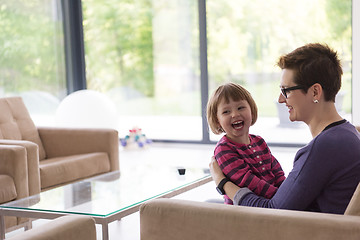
(29,58)
(118,34)
(245,39)
(339,19)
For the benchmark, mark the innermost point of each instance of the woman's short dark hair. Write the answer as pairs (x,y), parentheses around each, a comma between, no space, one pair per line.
(315,63)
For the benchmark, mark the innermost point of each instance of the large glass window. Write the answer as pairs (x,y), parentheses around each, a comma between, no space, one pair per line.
(245,39)
(144,56)
(32,55)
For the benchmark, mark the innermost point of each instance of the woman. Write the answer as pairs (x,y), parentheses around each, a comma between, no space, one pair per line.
(327,170)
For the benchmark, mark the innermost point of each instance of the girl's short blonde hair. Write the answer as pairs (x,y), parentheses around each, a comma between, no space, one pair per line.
(228,91)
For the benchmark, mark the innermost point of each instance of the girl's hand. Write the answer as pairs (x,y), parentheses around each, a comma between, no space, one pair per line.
(215,170)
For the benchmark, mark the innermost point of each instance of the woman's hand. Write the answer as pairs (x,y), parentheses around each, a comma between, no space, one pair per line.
(215,170)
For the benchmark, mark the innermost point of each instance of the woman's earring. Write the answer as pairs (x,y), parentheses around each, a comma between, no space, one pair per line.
(316,101)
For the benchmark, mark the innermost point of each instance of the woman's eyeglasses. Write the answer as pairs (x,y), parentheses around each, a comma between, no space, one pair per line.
(284,91)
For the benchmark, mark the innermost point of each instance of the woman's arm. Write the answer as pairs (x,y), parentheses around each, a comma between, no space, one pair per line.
(217,175)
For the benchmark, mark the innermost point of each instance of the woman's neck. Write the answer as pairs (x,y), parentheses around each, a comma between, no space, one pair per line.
(325,115)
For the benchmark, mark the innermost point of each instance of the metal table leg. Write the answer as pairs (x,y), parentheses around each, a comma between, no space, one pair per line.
(2,227)
(105,231)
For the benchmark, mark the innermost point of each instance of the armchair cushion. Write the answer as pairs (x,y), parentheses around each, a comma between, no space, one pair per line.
(7,189)
(54,172)
(16,123)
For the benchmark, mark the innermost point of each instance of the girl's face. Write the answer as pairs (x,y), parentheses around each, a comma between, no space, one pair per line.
(298,102)
(235,119)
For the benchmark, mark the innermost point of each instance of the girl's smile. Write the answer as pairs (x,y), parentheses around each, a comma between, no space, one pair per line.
(238,125)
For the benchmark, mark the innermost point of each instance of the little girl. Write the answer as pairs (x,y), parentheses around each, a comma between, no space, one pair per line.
(245,159)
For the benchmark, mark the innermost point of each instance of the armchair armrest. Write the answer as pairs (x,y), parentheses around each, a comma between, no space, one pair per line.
(60,142)
(13,163)
(32,159)
(162,219)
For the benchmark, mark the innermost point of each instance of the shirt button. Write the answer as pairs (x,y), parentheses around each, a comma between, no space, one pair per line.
(257,157)
(254,150)
(260,162)
(249,146)
(263,168)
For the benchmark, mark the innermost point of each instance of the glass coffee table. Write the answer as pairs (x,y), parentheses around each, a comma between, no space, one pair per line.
(108,197)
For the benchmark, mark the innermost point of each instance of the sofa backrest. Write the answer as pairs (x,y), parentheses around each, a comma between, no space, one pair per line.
(354,205)
(16,123)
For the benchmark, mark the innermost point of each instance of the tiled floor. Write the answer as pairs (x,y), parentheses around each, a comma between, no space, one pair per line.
(128,228)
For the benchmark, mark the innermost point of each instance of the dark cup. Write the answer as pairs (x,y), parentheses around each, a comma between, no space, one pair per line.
(181,171)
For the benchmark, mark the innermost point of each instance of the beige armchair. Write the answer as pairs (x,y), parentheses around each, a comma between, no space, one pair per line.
(174,219)
(67,227)
(56,156)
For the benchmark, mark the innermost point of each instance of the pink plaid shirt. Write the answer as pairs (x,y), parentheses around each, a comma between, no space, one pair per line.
(252,166)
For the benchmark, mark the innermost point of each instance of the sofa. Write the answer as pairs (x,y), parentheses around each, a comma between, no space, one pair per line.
(164,219)
(69,227)
(48,156)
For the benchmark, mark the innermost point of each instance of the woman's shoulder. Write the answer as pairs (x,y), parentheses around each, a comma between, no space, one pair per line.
(345,129)
(341,135)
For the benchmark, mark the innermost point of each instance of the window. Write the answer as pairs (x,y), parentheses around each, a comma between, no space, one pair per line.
(245,39)
(32,55)
(144,55)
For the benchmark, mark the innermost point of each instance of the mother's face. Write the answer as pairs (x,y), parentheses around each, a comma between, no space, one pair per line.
(297,101)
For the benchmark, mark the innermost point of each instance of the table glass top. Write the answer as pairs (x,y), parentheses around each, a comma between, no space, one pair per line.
(113,192)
